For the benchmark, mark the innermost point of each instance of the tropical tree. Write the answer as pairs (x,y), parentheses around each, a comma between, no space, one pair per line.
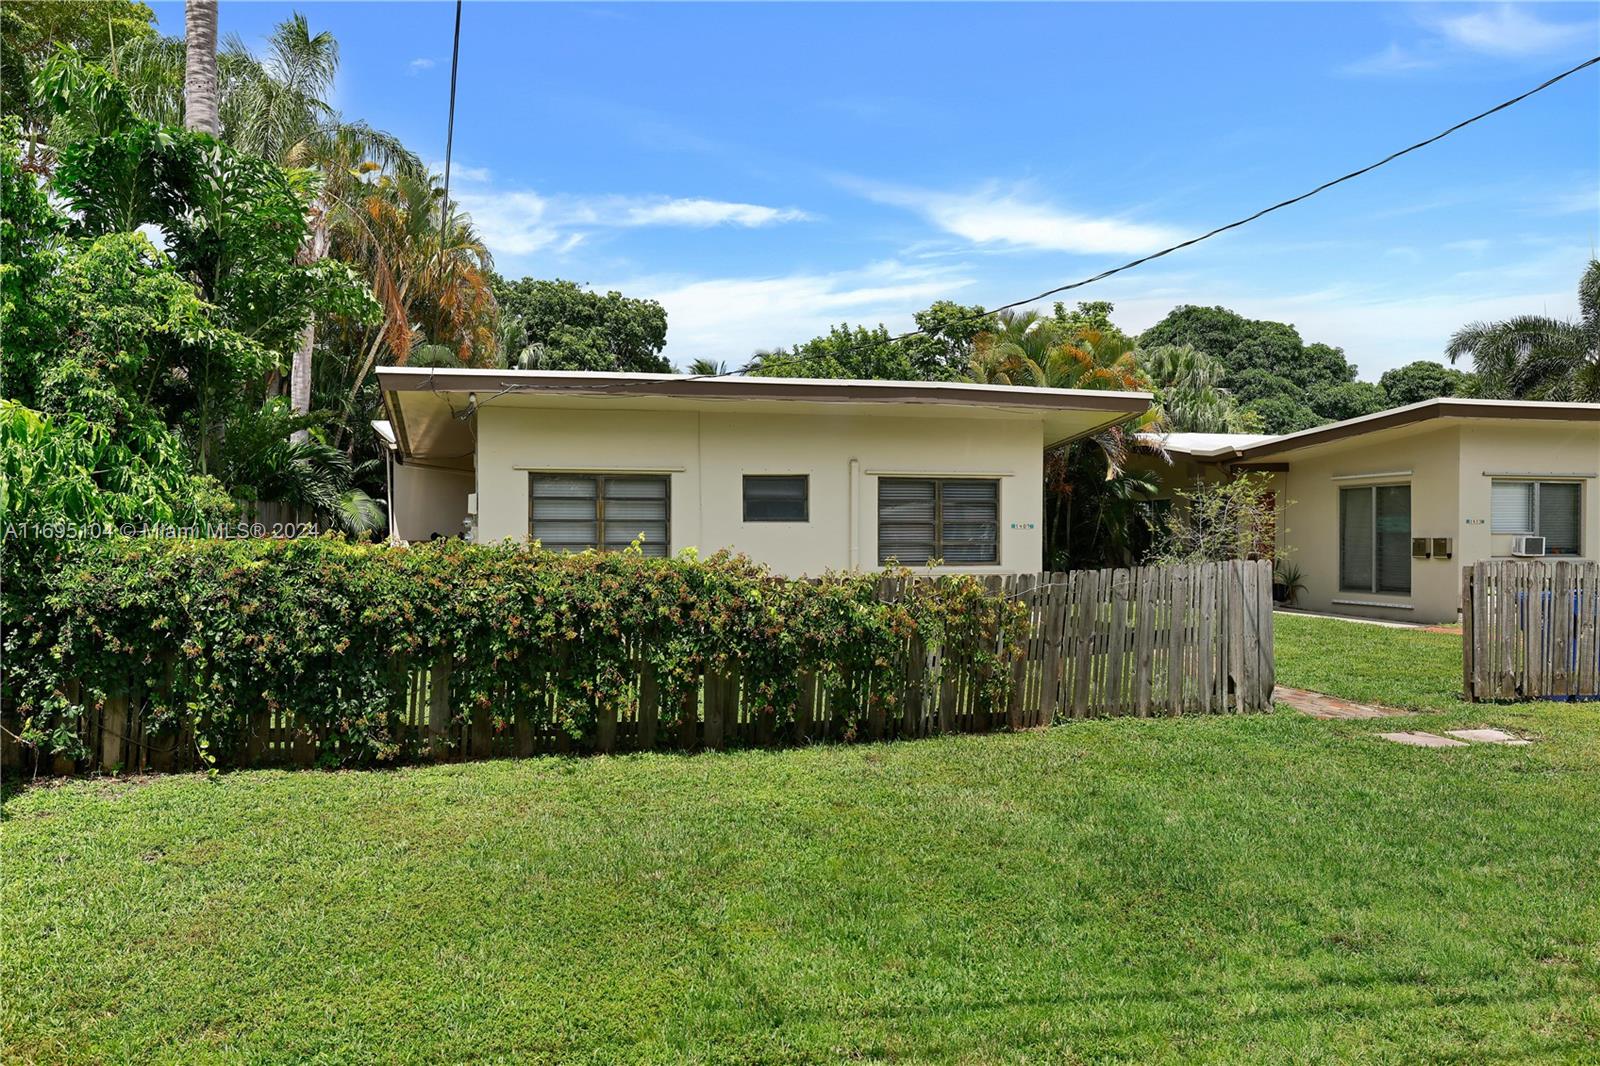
(1188,385)
(562,326)
(710,368)
(1282,382)
(154,358)
(200,88)
(31,32)
(1424,380)
(943,350)
(433,285)
(1533,357)
(1093,499)
(275,107)
(1014,349)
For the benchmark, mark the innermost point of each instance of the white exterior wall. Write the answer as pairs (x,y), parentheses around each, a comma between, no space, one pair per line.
(1549,450)
(427,500)
(1449,468)
(707,455)
(1428,462)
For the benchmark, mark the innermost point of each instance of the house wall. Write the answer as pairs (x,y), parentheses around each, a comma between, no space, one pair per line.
(1429,463)
(427,500)
(1449,498)
(706,454)
(1549,449)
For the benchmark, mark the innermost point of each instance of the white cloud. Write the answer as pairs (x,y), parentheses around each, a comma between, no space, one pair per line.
(517,222)
(1392,60)
(459,172)
(514,223)
(1509,30)
(697,212)
(1380,325)
(731,318)
(1502,30)
(417,66)
(1000,215)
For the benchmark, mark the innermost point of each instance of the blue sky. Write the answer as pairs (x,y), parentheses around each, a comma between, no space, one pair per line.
(765,170)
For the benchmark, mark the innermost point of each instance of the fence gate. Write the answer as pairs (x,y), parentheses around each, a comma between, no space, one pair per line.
(1530,630)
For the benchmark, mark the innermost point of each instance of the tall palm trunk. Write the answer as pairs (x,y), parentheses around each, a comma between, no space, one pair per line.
(316,249)
(200,67)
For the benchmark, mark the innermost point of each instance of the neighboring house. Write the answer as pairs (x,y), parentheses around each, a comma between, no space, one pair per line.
(803,475)
(1383,511)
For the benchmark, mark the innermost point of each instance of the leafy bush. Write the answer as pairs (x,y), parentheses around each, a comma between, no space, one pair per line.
(204,633)
(1217,521)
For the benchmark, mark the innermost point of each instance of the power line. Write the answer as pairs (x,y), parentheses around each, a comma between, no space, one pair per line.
(508,387)
(450,133)
(1280,205)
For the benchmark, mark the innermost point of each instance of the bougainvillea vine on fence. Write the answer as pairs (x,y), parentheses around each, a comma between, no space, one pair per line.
(209,632)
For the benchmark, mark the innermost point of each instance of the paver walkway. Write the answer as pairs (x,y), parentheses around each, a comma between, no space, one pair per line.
(1322,705)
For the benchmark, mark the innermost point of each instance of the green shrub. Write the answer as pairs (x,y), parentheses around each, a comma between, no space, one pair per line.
(205,633)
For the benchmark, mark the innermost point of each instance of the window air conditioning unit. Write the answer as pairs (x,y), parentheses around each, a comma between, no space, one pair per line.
(1443,548)
(1528,547)
(1419,547)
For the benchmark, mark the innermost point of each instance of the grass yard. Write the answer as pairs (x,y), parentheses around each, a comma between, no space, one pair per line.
(1270,888)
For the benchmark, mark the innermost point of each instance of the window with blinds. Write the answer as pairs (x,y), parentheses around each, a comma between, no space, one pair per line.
(579,512)
(777,497)
(955,520)
(1549,509)
(1375,539)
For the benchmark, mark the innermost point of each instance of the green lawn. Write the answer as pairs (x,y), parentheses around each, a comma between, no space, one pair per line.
(1269,888)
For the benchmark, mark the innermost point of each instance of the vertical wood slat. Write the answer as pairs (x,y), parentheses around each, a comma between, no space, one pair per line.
(1468,648)
(1588,627)
(1144,639)
(1529,630)
(113,730)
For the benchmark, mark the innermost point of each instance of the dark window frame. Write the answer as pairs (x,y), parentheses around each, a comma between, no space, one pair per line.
(1536,513)
(600,502)
(1373,586)
(805,498)
(938,520)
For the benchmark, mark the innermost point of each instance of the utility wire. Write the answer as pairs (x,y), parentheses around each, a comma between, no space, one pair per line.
(450,134)
(1280,205)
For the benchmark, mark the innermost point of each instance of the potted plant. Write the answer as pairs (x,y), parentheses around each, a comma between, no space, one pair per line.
(1288,581)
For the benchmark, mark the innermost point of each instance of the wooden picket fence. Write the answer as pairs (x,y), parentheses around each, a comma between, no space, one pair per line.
(1530,630)
(1148,641)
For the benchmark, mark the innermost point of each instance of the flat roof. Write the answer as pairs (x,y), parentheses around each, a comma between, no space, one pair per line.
(422,405)
(1230,447)
(1202,443)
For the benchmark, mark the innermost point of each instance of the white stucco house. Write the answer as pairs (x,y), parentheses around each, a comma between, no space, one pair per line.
(802,475)
(1381,512)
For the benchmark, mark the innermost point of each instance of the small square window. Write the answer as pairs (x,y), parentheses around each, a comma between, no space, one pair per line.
(777,498)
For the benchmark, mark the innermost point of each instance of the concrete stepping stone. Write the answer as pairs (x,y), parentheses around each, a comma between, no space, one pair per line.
(1488,736)
(1423,740)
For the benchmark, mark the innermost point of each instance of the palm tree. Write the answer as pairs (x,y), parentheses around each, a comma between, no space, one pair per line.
(200,66)
(707,368)
(433,286)
(1014,349)
(275,107)
(288,120)
(1532,357)
(1188,388)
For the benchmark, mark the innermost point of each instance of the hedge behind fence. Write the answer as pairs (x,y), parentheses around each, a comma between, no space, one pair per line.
(202,634)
